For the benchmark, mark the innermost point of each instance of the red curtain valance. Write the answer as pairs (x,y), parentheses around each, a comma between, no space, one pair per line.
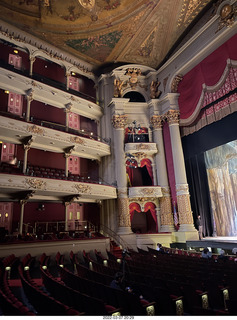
(208,72)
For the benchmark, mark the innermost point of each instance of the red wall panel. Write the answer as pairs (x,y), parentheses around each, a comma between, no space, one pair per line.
(48,113)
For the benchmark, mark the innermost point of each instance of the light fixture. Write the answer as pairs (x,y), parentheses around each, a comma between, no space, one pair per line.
(15,51)
(6,91)
(73,74)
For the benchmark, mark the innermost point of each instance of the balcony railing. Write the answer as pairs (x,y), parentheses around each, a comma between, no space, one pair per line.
(56,126)
(45,80)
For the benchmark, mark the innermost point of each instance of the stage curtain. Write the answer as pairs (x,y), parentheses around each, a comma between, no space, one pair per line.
(199,192)
(209,72)
(221,171)
(151,206)
(147,163)
(132,208)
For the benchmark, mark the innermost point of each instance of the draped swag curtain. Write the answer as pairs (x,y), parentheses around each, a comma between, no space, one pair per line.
(208,71)
(222,178)
(199,191)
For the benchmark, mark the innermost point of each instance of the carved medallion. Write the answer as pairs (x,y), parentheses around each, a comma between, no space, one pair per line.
(36,183)
(35,129)
(81,188)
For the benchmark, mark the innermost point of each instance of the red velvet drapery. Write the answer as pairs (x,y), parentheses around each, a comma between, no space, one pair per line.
(152,207)
(147,163)
(209,72)
(132,208)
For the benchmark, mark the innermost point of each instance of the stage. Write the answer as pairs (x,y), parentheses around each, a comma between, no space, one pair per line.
(225,243)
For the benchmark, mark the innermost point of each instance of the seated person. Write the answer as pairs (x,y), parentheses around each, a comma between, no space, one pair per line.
(117,283)
(206,253)
(160,248)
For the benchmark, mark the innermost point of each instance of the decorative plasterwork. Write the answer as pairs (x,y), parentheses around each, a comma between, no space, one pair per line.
(81,188)
(145,192)
(175,83)
(228,14)
(172,116)
(119,121)
(36,130)
(157,121)
(142,149)
(35,183)
(135,31)
(54,189)
(77,140)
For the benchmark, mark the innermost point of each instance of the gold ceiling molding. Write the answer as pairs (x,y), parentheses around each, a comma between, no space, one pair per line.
(134,31)
(190,10)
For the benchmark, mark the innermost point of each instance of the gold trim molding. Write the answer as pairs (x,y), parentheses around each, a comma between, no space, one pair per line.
(36,183)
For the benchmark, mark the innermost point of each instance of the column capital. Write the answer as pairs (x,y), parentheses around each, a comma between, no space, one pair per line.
(119,121)
(172,117)
(157,121)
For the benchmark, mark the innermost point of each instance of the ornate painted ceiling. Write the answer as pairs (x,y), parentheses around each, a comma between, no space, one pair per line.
(106,31)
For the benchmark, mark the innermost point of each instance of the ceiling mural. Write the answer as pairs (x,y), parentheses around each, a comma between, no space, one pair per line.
(106,31)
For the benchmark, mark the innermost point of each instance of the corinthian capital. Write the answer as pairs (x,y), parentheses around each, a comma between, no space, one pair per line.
(157,121)
(172,117)
(119,121)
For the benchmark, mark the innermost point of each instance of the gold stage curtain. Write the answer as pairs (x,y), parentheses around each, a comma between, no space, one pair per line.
(221,163)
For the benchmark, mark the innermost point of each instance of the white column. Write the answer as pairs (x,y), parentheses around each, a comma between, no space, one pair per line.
(22,202)
(119,122)
(182,191)
(166,216)
(29,98)
(32,60)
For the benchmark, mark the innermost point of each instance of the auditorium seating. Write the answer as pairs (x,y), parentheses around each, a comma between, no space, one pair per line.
(175,284)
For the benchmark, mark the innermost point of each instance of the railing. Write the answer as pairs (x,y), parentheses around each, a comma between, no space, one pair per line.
(113,236)
(60,226)
(56,126)
(45,80)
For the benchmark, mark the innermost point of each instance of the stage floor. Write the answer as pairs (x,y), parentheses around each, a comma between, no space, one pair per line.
(225,243)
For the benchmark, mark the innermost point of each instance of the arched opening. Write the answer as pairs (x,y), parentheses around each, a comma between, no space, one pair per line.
(134,96)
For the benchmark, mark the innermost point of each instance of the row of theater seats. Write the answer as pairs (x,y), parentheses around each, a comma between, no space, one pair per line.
(9,303)
(204,289)
(174,284)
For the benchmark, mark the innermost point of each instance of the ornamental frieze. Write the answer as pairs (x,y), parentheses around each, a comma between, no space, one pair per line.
(36,130)
(148,191)
(81,188)
(36,183)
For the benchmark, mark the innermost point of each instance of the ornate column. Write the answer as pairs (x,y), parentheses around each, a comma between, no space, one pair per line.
(67,110)
(29,97)
(22,202)
(32,60)
(166,217)
(27,145)
(182,191)
(67,76)
(124,224)
(67,153)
